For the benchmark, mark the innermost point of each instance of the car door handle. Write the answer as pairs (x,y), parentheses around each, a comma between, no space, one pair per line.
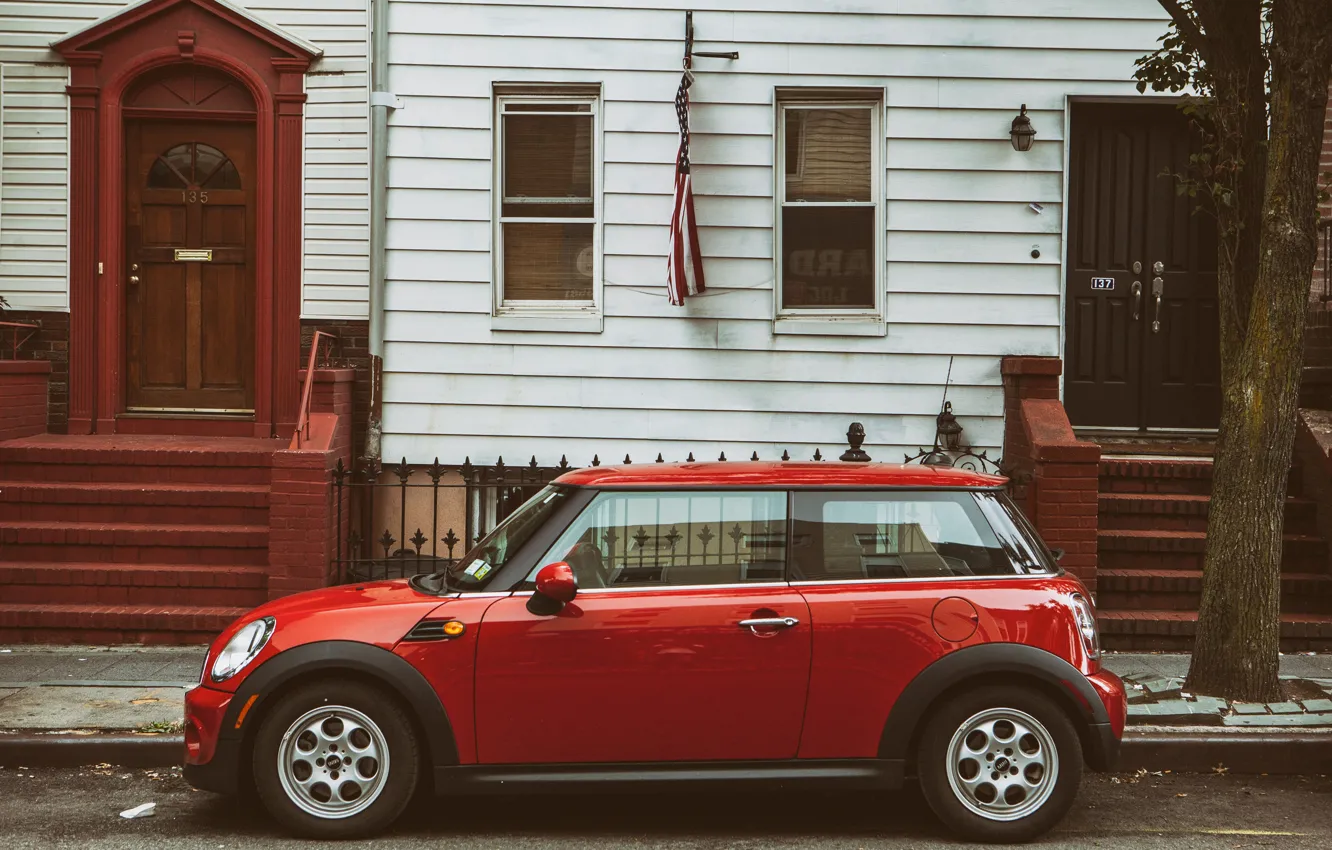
(769,622)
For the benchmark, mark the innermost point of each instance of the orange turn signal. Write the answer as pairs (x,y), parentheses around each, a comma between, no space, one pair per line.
(453,628)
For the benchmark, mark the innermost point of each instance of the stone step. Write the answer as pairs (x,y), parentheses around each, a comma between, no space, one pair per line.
(1152,549)
(177,504)
(1185,512)
(1181,590)
(133,543)
(111,624)
(138,459)
(229,586)
(1174,630)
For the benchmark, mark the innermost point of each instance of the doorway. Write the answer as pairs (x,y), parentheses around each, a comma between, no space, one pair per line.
(1142,347)
(190,249)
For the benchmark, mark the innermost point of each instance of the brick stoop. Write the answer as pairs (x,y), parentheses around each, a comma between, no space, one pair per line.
(1151,539)
(132,539)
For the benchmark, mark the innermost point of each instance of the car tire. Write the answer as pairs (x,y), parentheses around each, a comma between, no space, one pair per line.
(335,759)
(1000,764)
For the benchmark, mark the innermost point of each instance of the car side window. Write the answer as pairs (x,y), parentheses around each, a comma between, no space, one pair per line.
(894,534)
(675,538)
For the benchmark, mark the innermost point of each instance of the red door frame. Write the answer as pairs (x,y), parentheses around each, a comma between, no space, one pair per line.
(105,60)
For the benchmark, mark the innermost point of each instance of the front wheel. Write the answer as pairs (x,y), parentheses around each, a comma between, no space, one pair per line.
(1000,764)
(335,760)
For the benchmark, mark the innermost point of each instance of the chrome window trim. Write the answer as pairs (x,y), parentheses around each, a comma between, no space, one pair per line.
(1000,577)
(668,588)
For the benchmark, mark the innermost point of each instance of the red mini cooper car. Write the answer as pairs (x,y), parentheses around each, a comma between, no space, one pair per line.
(649,627)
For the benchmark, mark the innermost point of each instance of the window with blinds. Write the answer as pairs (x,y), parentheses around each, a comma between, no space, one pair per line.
(546,227)
(830,207)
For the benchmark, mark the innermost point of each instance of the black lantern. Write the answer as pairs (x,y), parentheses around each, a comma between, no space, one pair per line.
(948,433)
(1022,134)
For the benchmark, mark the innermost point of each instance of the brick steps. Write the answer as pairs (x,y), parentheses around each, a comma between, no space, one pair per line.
(1185,512)
(1163,475)
(1174,630)
(134,584)
(179,504)
(121,543)
(105,624)
(1180,590)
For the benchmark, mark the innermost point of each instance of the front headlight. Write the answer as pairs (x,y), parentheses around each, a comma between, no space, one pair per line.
(1086,620)
(242,648)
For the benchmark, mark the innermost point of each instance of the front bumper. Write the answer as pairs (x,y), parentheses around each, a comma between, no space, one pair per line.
(211,759)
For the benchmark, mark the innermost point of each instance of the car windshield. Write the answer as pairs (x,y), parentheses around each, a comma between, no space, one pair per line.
(490,555)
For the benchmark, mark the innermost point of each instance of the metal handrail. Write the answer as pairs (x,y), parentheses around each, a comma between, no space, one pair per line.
(17,326)
(303,420)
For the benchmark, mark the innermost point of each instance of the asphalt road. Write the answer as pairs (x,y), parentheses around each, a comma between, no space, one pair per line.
(80,808)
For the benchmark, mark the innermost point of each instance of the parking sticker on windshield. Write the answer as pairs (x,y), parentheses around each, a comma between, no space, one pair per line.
(478,571)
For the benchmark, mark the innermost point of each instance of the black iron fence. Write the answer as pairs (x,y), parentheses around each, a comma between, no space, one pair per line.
(401,519)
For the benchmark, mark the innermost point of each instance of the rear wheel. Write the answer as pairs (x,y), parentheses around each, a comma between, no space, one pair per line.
(1000,764)
(335,760)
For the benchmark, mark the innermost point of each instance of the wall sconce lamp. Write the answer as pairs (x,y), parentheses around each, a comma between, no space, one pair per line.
(1022,134)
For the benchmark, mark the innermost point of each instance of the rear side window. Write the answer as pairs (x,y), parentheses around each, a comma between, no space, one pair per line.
(895,534)
(675,538)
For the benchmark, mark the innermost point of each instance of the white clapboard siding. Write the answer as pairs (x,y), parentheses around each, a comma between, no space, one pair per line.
(961,284)
(34,132)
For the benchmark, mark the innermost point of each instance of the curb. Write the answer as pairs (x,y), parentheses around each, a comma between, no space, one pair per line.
(79,750)
(1192,752)
(1200,751)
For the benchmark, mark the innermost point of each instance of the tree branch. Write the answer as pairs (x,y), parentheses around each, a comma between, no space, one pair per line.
(1188,28)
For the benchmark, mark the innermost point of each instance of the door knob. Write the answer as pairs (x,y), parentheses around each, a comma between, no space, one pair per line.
(1158,289)
(1158,267)
(1136,289)
(134,278)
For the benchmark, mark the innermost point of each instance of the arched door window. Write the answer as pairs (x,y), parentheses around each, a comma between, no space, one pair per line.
(193,165)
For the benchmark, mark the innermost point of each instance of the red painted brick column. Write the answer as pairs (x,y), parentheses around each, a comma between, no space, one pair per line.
(302,515)
(1055,475)
(333,393)
(24,385)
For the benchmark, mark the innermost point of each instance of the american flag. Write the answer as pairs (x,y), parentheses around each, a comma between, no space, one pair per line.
(684,273)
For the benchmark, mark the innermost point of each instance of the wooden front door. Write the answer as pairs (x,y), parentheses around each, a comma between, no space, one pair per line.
(1142,339)
(190,189)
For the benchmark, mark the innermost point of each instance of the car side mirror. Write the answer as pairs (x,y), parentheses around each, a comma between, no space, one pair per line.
(1058,554)
(555,586)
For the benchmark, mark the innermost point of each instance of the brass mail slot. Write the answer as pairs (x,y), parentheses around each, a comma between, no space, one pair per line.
(194,255)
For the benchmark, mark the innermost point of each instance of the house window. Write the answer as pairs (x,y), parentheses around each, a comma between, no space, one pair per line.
(829,208)
(547,251)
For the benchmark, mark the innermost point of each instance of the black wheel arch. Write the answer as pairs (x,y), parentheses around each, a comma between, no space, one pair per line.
(366,662)
(999,663)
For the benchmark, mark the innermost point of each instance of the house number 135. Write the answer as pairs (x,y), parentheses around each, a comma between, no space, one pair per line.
(194,197)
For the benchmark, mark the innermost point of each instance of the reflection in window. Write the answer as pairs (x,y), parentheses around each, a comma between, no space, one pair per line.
(828,211)
(676,539)
(193,165)
(898,535)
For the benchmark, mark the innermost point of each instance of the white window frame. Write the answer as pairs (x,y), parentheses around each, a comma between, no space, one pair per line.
(858,321)
(581,315)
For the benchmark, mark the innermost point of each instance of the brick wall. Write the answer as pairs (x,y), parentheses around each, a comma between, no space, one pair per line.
(1324,208)
(1055,475)
(49,343)
(350,350)
(23,398)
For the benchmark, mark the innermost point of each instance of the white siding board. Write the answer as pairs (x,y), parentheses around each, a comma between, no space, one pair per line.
(960,281)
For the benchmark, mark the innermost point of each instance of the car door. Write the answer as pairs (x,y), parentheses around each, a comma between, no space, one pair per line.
(657,658)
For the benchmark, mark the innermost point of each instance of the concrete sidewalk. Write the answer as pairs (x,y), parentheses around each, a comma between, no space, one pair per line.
(80,705)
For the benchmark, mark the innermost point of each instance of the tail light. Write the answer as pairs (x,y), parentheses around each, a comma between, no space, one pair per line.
(1085,617)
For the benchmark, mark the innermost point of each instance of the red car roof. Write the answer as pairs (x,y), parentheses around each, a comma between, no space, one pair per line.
(746,473)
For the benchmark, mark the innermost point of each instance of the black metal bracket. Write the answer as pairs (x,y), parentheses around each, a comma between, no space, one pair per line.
(689,52)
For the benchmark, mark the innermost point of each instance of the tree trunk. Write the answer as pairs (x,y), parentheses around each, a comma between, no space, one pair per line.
(1236,650)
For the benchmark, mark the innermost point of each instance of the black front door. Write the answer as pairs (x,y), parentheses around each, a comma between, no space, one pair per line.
(1142,342)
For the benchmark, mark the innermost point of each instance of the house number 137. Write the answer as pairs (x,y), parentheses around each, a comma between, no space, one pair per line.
(194,197)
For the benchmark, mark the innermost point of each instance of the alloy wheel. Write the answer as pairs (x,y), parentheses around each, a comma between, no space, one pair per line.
(333,761)
(1002,764)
